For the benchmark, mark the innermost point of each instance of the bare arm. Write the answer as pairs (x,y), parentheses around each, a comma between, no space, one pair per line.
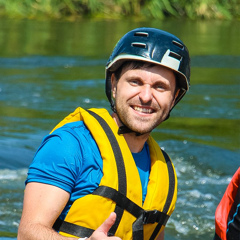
(161,236)
(41,207)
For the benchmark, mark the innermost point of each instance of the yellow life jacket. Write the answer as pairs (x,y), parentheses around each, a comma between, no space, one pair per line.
(120,188)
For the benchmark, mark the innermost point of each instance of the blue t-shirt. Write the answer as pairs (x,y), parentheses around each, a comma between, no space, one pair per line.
(69,158)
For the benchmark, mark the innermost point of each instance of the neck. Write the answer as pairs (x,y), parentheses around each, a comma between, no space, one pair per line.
(135,143)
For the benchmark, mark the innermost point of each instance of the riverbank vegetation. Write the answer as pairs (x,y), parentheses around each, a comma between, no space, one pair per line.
(143,9)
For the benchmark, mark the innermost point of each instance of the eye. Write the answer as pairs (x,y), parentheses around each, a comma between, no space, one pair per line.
(160,86)
(135,82)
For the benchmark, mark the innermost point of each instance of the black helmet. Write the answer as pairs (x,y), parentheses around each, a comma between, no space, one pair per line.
(154,46)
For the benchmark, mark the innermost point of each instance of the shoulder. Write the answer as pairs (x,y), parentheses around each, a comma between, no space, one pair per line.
(73,133)
(61,157)
(71,141)
(72,128)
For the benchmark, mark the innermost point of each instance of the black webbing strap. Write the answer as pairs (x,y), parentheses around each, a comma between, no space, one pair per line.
(72,228)
(143,216)
(121,200)
(128,205)
(171,182)
(122,182)
(170,193)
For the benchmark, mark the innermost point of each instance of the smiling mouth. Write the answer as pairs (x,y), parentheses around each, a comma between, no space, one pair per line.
(143,110)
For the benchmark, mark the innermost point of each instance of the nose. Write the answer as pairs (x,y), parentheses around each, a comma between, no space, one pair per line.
(145,93)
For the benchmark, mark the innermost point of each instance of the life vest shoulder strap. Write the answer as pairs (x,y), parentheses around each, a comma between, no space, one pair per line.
(171,182)
(122,182)
(170,195)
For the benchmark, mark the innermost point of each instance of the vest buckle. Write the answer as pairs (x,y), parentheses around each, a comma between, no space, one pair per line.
(150,216)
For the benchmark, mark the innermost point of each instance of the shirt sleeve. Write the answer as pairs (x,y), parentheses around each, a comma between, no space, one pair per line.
(57,161)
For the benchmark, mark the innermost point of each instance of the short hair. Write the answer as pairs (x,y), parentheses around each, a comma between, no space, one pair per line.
(131,65)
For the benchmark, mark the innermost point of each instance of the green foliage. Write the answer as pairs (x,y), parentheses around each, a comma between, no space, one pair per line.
(158,9)
(7,234)
(217,9)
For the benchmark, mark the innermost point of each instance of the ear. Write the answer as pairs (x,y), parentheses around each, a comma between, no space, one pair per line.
(175,97)
(114,85)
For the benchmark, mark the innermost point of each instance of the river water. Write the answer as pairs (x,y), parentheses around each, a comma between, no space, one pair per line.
(48,68)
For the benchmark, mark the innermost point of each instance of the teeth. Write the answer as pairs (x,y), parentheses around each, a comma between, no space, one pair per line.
(143,110)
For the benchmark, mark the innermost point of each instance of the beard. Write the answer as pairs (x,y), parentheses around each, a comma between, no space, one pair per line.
(138,124)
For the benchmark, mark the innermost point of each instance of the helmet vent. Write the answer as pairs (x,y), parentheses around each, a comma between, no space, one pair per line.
(140,45)
(141,34)
(178,44)
(175,55)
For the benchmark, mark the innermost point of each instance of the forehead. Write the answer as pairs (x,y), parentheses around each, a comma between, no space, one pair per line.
(154,71)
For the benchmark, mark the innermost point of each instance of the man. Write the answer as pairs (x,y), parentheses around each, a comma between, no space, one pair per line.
(98,176)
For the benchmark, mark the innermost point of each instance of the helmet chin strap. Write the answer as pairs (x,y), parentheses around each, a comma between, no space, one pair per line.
(123,129)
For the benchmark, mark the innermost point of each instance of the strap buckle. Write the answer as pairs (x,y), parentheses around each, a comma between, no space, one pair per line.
(150,216)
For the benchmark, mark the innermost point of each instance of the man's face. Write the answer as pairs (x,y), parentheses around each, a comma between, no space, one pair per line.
(144,97)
